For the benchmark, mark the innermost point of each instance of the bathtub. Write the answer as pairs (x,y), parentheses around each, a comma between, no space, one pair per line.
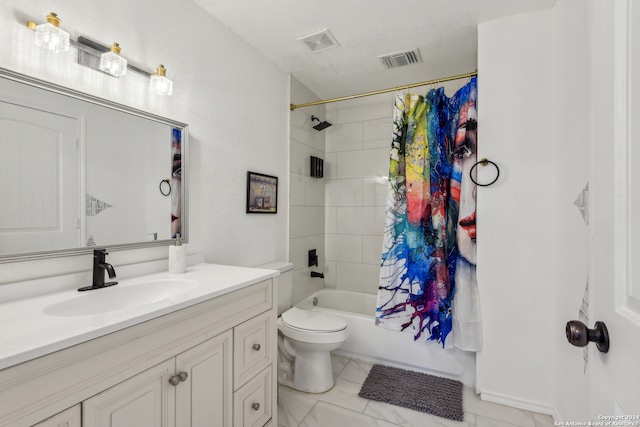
(376,344)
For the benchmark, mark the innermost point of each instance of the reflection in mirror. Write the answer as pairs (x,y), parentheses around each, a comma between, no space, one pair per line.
(80,172)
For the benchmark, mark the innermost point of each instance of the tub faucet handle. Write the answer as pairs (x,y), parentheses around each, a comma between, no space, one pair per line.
(313,258)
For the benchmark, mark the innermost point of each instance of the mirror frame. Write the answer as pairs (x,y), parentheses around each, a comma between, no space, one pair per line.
(56,253)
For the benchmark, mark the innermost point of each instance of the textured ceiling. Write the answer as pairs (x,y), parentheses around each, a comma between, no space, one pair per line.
(445,32)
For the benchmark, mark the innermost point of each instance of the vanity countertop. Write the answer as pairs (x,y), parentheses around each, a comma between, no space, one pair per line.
(27,331)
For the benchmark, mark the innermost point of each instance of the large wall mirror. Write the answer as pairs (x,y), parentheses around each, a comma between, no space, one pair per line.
(78,172)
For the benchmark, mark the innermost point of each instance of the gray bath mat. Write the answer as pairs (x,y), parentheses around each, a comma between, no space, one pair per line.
(414,390)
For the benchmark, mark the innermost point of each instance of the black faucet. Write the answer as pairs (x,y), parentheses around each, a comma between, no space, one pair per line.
(315,274)
(99,267)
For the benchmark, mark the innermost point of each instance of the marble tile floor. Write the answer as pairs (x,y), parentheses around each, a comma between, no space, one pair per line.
(341,407)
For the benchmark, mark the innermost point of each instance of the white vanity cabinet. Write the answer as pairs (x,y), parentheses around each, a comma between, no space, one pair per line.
(211,364)
(192,389)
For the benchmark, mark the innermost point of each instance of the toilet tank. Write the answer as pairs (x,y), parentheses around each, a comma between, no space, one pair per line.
(285,283)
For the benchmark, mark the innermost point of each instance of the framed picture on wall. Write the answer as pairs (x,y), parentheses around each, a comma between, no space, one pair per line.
(262,193)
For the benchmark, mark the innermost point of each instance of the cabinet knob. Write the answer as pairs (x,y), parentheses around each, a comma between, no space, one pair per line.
(255,406)
(174,380)
(256,347)
(178,378)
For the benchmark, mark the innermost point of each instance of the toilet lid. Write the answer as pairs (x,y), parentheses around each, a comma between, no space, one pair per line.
(315,321)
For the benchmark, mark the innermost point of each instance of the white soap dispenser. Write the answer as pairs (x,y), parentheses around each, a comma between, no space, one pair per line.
(177,257)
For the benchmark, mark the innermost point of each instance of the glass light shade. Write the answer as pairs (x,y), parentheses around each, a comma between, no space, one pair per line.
(161,85)
(52,38)
(113,64)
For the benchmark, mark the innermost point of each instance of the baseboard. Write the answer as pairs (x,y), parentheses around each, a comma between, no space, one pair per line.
(527,405)
(556,416)
(468,382)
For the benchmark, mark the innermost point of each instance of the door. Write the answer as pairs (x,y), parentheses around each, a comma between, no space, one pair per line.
(615,206)
(39,180)
(146,400)
(203,398)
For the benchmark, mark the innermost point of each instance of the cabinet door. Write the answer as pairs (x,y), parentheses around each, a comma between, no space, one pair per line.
(204,398)
(146,400)
(68,418)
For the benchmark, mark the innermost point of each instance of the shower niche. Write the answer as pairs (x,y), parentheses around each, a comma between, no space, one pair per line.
(317,167)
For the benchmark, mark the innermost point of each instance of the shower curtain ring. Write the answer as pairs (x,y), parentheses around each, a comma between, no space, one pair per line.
(484,162)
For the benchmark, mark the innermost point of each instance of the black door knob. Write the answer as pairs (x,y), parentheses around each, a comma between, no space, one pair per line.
(579,335)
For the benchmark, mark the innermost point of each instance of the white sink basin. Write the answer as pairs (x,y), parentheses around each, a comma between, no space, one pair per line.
(116,298)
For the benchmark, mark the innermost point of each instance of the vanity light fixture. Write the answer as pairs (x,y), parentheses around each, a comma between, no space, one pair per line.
(112,63)
(49,35)
(160,84)
(95,55)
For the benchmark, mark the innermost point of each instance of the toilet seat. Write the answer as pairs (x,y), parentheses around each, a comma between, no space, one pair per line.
(312,321)
(312,327)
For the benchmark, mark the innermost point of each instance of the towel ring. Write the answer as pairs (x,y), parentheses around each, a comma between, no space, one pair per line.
(484,162)
(163,188)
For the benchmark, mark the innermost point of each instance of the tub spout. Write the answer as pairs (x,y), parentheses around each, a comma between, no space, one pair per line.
(316,274)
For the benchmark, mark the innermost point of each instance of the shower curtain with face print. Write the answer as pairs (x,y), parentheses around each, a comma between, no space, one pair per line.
(427,276)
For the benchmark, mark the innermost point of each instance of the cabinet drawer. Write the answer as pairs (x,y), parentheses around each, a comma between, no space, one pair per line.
(252,403)
(68,418)
(252,341)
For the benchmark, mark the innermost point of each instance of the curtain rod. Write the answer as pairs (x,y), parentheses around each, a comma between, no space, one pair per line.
(391,89)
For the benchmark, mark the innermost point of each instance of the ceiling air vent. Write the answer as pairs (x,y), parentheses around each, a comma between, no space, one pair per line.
(400,59)
(319,41)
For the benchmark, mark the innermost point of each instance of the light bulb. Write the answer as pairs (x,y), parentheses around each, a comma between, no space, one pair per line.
(160,84)
(50,36)
(112,63)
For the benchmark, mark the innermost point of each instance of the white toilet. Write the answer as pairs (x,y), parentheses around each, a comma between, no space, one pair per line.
(305,339)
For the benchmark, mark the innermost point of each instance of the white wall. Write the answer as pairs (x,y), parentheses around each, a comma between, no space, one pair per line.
(533,244)
(307,195)
(516,216)
(234,99)
(571,138)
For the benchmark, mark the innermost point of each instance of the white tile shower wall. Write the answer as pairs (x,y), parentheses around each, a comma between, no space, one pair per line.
(357,154)
(357,165)
(306,194)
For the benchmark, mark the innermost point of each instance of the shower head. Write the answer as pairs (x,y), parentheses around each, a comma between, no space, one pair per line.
(320,125)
